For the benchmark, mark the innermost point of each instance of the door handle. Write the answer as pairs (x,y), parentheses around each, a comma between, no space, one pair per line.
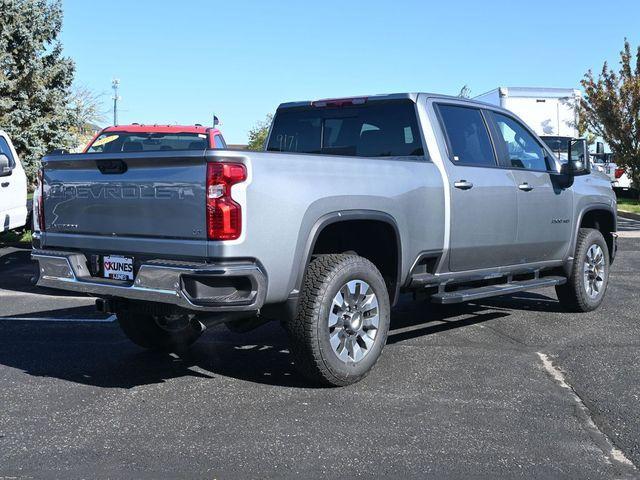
(463,185)
(525,187)
(4,184)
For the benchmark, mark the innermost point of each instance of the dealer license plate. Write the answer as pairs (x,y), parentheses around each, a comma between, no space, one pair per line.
(117,267)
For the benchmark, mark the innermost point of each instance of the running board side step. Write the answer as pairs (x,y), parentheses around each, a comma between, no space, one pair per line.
(460,296)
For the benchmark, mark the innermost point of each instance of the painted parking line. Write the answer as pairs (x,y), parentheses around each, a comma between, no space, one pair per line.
(603,441)
(110,319)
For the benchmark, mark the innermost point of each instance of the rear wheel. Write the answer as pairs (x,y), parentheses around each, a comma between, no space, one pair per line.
(585,288)
(160,332)
(342,321)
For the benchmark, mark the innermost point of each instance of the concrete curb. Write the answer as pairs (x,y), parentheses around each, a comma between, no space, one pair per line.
(635,234)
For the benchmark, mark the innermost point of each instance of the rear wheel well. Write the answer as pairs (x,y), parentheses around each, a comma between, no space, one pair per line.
(375,240)
(604,221)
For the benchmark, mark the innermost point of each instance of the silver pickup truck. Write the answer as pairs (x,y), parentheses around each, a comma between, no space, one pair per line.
(354,202)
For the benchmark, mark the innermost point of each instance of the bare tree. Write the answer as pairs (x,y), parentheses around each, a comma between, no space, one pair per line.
(87,110)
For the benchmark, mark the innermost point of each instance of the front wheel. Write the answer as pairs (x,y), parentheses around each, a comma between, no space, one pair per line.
(159,332)
(342,321)
(585,288)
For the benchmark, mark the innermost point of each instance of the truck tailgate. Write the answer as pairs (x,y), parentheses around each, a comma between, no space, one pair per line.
(154,195)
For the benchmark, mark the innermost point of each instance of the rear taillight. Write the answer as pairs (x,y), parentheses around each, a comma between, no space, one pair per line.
(38,204)
(619,172)
(224,215)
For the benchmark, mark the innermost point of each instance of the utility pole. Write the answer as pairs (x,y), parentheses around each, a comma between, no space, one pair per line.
(115,84)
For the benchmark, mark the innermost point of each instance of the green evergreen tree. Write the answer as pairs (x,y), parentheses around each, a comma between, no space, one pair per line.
(35,79)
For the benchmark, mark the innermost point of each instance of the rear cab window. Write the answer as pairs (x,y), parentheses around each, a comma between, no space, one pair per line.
(113,142)
(371,129)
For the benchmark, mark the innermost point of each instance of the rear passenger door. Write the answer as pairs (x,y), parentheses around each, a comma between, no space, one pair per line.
(483,195)
(545,211)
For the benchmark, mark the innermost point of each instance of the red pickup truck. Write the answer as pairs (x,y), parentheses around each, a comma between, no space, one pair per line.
(141,138)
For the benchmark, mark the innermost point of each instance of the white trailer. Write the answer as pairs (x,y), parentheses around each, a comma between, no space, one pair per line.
(548,111)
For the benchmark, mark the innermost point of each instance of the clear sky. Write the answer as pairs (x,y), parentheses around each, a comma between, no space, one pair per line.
(180,61)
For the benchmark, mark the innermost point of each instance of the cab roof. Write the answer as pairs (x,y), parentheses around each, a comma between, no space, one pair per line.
(141,128)
(362,99)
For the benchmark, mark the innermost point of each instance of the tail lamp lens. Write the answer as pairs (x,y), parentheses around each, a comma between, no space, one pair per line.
(38,204)
(224,215)
(619,172)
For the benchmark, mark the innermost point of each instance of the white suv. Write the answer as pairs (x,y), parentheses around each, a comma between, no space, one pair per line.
(13,187)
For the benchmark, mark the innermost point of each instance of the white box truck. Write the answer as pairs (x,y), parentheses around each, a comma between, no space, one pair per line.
(548,111)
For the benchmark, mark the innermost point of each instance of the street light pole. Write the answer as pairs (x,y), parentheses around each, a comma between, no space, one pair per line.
(115,84)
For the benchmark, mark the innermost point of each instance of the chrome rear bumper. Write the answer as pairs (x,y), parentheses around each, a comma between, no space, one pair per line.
(221,287)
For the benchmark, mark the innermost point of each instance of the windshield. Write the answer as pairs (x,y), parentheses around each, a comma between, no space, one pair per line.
(371,130)
(113,142)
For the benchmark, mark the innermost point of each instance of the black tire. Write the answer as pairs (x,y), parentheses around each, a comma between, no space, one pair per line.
(573,295)
(309,331)
(145,330)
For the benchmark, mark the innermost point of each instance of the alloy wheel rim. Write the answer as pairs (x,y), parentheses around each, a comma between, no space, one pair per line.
(353,321)
(594,271)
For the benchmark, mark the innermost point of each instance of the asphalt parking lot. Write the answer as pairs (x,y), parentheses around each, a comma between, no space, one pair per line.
(629,225)
(509,387)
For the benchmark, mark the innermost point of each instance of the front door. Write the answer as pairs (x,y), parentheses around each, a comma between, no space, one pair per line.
(545,211)
(483,196)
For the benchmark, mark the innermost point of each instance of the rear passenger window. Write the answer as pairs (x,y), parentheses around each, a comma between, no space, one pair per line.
(469,140)
(219,142)
(523,149)
(376,129)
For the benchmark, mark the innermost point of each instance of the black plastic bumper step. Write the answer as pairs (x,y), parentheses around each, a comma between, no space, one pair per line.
(460,296)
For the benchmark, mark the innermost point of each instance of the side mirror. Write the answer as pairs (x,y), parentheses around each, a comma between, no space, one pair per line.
(5,165)
(599,148)
(578,156)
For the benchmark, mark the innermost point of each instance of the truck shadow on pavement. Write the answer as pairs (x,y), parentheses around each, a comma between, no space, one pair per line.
(17,272)
(408,319)
(98,354)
